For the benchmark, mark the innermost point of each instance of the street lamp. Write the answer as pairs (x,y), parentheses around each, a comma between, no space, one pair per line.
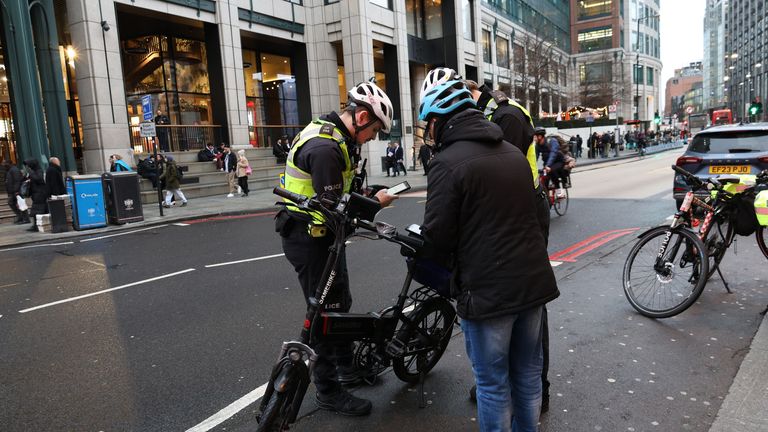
(637,64)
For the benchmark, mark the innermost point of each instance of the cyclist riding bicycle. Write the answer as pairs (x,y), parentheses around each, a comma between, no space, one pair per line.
(319,164)
(553,157)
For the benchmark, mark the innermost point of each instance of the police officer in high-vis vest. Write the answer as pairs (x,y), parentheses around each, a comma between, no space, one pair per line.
(517,127)
(319,163)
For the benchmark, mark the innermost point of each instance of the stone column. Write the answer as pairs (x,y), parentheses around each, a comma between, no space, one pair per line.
(21,67)
(232,67)
(321,58)
(99,83)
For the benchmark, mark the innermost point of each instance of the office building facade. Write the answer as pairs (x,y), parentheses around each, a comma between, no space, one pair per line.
(746,55)
(713,66)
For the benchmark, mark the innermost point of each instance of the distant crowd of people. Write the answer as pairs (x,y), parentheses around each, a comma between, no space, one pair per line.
(35,184)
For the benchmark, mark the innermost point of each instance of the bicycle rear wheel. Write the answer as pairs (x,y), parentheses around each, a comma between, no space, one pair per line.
(664,287)
(717,242)
(561,204)
(435,318)
(761,240)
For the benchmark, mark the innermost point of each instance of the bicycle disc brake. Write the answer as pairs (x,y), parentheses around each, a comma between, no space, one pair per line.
(367,358)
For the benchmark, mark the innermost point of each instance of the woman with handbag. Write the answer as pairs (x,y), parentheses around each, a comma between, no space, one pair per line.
(243,171)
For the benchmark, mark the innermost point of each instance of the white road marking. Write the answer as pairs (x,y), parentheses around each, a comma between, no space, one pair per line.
(245,260)
(71,299)
(233,408)
(36,246)
(181,224)
(555,263)
(96,263)
(123,233)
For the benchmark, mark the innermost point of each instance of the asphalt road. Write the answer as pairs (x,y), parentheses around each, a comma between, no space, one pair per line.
(180,338)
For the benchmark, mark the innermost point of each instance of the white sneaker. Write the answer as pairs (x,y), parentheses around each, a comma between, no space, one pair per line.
(239,190)
(230,195)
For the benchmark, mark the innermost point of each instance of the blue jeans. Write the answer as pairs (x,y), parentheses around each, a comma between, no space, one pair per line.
(507,359)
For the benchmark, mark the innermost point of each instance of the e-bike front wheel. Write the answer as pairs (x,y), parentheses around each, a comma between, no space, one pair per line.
(762,242)
(273,418)
(662,281)
(426,340)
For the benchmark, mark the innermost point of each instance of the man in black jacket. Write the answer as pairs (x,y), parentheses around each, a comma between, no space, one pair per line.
(13,179)
(482,212)
(230,166)
(54,179)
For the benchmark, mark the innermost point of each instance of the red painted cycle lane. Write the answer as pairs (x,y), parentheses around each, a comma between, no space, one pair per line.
(589,244)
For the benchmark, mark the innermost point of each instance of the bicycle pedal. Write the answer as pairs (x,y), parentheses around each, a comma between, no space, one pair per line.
(395,348)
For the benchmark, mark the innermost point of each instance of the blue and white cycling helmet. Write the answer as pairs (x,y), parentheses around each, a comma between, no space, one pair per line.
(445,98)
(436,77)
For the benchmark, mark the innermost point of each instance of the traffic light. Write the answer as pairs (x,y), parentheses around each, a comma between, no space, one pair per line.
(755,108)
(657,118)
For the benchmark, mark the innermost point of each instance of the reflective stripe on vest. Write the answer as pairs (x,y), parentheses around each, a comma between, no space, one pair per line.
(299,181)
(531,153)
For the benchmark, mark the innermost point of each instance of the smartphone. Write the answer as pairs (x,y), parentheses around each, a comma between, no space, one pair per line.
(399,188)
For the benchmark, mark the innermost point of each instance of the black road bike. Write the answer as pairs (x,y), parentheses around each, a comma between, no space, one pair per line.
(667,269)
(410,342)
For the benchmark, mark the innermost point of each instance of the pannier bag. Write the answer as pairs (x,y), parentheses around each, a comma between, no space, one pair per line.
(761,207)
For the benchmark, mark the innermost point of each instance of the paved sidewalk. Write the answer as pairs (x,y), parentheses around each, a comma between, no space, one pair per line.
(258,200)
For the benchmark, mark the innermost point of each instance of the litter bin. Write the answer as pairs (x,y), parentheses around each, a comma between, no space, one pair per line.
(87,194)
(58,210)
(123,197)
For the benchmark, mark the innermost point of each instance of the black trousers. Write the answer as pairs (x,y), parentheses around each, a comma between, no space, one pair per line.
(308,256)
(14,205)
(243,183)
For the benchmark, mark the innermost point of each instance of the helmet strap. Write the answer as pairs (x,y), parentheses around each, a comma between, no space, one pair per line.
(359,128)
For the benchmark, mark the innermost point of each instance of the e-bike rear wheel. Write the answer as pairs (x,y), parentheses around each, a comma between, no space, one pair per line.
(660,283)
(435,319)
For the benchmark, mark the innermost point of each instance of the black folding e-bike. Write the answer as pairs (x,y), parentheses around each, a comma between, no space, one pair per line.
(412,343)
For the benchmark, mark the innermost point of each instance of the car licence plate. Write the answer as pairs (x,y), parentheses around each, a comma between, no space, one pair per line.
(729,169)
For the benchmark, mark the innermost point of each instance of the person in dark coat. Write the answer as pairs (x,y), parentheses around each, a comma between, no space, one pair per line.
(37,191)
(280,149)
(481,219)
(13,179)
(172,181)
(54,178)
(425,154)
(399,164)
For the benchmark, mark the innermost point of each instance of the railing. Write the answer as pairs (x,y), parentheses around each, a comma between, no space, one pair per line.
(176,138)
(264,136)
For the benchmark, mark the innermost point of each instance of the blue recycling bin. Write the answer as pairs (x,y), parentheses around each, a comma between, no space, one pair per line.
(87,195)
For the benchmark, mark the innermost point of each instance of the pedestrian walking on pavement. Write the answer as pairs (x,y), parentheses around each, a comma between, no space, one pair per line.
(425,154)
(37,191)
(172,181)
(13,179)
(243,171)
(54,178)
(399,164)
(230,166)
(306,242)
(501,287)
(391,161)
(579,144)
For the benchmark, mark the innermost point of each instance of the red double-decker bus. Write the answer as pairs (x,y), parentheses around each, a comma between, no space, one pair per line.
(722,116)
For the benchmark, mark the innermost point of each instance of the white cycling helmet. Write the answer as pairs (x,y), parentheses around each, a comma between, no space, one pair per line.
(435,77)
(369,95)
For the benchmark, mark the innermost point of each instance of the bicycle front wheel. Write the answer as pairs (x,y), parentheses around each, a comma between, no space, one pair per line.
(761,240)
(426,340)
(661,282)
(561,204)
(273,418)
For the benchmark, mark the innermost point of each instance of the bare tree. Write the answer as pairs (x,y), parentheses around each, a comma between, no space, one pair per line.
(538,60)
(597,83)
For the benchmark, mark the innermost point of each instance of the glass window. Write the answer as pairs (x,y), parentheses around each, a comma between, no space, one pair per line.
(650,75)
(598,38)
(433,11)
(595,72)
(414,12)
(468,19)
(588,9)
(519,58)
(486,46)
(270,90)
(386,4)
(502,52)
(563,80)
(637,76)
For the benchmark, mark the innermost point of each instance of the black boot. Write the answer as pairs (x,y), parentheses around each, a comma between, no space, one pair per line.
(25,217)
(33,228)
(344,403)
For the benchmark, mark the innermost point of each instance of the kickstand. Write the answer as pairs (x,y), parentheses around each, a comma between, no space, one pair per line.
(420,366)
(723,279)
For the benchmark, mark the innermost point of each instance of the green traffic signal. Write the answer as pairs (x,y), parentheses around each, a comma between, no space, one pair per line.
(753,110)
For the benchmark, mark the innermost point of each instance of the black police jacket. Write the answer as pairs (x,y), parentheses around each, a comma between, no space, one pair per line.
(481,209)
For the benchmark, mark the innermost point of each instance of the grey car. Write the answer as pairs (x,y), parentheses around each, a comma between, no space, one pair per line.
(726,149)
